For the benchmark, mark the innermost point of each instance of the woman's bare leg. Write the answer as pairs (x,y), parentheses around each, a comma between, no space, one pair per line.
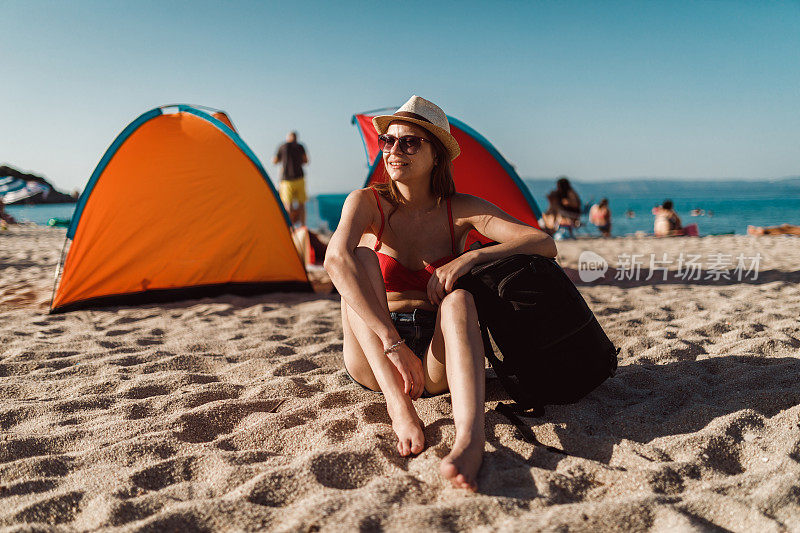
(461,369)
(364,359)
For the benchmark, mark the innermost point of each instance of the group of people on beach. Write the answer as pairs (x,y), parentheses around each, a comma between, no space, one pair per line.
(565,210)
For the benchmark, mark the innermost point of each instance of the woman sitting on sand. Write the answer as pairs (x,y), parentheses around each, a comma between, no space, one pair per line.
(667,223)
(394,259)
(600,216)
(5,218)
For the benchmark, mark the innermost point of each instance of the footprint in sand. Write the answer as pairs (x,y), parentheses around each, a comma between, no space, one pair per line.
(282,349)
(665,480)
(132,319)
(291,368)
(124,349)
(124,512)
(340,430)
(127,360)
(108,344)
(342,398)
(164,474)
(52,510)
(276,489)
(54,355)
(220,392)
(136,411)
(118,332)
(375,413)
(345,470)
(206,423)
(149,342)
(305,340)
(140,392)
(22,488)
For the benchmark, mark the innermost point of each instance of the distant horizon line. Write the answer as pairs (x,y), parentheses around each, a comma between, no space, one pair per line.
(603,180)
(642,179)
(662,178)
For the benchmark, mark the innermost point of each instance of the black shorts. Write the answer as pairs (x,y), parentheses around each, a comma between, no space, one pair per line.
(416,329)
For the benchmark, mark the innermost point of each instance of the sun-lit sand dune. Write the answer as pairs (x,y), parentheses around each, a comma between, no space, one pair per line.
(235,414)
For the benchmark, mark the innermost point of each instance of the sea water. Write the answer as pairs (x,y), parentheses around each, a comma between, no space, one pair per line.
(41,213)
(721,215)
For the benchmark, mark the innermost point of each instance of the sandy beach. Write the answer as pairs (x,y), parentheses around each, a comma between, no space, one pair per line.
(235,414)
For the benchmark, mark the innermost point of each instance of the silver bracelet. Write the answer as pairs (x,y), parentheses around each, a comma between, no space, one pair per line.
(393,347)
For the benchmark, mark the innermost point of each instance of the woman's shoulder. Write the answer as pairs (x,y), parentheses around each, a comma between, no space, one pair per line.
(361,201)
(361,197)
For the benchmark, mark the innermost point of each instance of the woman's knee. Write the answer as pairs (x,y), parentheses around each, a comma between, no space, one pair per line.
(459,301)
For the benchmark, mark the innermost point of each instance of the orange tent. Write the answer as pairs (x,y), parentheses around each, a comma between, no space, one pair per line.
(178,207)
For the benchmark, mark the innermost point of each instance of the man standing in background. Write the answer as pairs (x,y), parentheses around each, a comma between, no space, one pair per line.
(292,155)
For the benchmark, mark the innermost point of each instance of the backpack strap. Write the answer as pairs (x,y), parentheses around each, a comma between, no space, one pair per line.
(509,411)
(526,432)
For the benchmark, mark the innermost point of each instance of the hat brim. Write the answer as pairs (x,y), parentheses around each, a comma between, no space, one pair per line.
(382,122)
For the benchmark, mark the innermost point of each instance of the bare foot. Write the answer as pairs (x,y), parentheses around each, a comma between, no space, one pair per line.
(408,428)
(755,230)
(462,464)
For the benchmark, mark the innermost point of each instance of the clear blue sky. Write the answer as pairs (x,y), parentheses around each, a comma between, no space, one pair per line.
(589,89)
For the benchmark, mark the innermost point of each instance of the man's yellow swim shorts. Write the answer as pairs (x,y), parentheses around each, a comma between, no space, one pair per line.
(293,191)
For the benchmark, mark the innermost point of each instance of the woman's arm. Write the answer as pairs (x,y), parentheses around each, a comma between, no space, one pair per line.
(347,273)
(352,282)
(513,236)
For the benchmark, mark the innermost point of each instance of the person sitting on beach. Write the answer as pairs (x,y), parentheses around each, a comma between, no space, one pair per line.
(564,209)
(783,229)
(394,258)
(550,218)
(600,216)
(569,205)
(5,218)
(667,222)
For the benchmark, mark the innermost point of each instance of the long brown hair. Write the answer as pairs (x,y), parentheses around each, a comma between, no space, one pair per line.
(442,184)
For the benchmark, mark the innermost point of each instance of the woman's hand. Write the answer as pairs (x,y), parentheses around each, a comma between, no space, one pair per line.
(410,368)
(445,277)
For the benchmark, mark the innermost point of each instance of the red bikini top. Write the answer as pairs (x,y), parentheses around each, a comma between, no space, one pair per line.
(399,278)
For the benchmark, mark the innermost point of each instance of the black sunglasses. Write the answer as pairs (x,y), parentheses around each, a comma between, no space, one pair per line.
(409,144)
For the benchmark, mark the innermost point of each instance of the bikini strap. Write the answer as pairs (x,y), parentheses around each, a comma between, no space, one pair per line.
(452,232)
(380,232)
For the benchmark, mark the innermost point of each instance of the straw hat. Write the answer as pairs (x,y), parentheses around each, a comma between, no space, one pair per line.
(426,114)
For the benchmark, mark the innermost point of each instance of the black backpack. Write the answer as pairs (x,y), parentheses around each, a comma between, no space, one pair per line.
(552,349)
